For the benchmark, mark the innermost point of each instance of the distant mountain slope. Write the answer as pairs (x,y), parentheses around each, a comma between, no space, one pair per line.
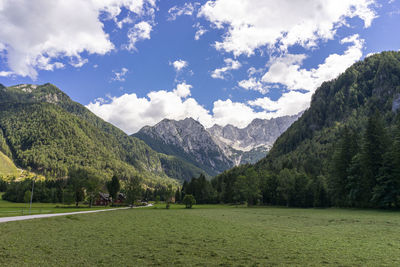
(49,133)
(189,140)
(252,143)
(217,148)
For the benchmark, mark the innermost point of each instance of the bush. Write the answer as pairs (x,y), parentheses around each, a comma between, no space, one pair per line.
(189,201)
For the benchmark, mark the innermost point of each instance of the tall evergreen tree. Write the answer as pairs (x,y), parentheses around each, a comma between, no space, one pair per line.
(178,195)
(387,190)
(374,147)
(113,188)
(347,148)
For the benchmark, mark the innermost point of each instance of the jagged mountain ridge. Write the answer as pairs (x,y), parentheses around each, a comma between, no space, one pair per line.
(217,148)
(189,140)
(255,139)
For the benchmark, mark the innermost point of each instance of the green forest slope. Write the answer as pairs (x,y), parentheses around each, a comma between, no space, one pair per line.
(44,130)
(342,151)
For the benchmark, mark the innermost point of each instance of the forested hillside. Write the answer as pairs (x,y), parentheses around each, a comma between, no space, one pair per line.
(44,130)
(343,151)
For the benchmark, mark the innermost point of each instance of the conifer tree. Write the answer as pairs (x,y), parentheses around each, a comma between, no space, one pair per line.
(374,147)
(346,150)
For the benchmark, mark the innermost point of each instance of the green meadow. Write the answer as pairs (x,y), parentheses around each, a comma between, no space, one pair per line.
(8,209)
(208,235)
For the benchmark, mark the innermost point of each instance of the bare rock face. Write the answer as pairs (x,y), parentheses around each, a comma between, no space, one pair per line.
(189,140)
(252,143)
(217,148)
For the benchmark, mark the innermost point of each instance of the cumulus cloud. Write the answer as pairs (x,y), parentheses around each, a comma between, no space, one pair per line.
(119,75)
(289,103)
(287,69)
(130,112)
(6,73)
(235,113)
(187,9)
(50,30)
(141,31)
(251,24)
(230,64)
(182,90)
(253,84)
(179,64)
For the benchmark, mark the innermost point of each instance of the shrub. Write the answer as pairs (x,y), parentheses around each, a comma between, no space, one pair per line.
(189,201)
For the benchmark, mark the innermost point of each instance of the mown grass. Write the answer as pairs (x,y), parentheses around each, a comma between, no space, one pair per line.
(206,236)
(8,209)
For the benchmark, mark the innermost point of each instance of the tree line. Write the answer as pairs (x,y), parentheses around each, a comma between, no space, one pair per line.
(82,185)
(364,172)
(365,168)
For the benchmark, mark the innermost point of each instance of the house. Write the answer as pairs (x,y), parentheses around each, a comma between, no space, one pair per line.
(103,199)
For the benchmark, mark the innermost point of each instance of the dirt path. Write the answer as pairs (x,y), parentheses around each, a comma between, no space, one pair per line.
(39,216)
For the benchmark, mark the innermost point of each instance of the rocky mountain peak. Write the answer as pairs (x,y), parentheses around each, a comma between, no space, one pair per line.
(259,133)
(217,148)
(26,93)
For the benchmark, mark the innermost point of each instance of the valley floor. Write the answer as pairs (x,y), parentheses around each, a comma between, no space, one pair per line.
(206,235)
(11,209)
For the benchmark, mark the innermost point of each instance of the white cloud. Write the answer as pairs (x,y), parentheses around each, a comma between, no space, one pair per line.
(36,33)
(200,31)
(6,73)
(179,64)
(289,103)
(182,90)
(130,112)
(287,70)
(187,9)
(141,31)
(253,84)
(230,64)
(235,113)
(78,62)
(126,20)
(253,24)
(120,75)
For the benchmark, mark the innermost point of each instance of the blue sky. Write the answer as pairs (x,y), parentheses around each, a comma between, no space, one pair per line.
(135,62)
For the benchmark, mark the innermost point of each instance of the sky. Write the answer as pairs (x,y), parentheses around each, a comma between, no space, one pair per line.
(136,62)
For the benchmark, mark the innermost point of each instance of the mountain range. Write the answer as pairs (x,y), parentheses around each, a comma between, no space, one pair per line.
(43,130)
(217,148)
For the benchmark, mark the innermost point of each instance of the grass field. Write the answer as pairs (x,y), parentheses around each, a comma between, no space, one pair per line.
(206,236)
(8,209)
(7,167)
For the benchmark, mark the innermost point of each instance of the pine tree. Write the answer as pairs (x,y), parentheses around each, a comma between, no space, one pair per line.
(387,190)
(113,188)
(374,147)
(347,148)
(177,195)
